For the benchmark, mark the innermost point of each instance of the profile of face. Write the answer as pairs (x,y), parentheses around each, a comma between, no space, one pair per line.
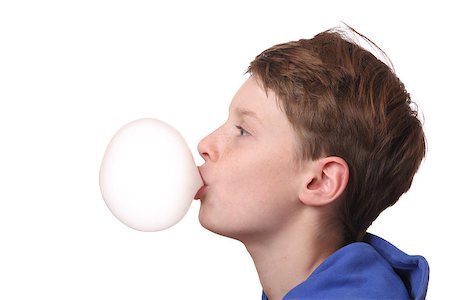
(251,172)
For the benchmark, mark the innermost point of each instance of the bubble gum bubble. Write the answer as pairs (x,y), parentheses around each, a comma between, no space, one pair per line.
(148,177)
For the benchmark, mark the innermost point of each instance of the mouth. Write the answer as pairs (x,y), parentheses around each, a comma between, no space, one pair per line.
(201,192)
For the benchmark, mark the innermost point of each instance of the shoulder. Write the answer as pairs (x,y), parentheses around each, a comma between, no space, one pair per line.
(356,271)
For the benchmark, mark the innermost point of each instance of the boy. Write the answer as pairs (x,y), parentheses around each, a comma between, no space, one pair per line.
(320,139)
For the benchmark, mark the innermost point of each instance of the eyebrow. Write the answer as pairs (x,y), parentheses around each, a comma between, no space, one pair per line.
(246,112)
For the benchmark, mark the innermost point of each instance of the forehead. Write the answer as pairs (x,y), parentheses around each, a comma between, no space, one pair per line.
(252,98)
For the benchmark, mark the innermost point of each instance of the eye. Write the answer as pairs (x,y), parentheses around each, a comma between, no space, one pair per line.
(242,131)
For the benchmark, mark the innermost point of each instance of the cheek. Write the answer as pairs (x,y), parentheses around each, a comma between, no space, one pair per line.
(253,191)
(249,207)
(266,172)
(257,185)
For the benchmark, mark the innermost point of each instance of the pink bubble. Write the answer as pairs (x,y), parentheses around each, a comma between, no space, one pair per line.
(148,177)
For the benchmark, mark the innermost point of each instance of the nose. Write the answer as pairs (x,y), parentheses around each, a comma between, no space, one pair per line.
(207,148)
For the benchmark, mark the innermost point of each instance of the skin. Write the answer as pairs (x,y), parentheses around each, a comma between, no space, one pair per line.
(259,192)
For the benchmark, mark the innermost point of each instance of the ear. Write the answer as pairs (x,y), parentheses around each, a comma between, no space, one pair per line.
(325,180)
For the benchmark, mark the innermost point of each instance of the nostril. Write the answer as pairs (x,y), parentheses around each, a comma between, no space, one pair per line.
(202,149)
(205,155)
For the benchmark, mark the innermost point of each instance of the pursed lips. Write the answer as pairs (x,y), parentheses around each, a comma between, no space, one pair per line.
(202,190)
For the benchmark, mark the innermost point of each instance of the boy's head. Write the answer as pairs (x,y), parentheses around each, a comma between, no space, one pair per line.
(342,101)
(322,121)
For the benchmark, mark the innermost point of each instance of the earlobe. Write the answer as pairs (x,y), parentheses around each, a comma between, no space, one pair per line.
(326,180)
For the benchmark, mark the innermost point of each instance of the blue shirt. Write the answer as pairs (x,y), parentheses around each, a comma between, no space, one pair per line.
(373,269)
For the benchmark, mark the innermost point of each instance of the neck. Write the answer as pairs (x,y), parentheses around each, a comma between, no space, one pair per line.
(287,257)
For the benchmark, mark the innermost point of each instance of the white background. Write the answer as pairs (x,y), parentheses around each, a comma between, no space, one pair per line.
(73,72)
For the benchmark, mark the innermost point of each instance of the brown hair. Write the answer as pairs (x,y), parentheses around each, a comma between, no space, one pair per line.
(343,101)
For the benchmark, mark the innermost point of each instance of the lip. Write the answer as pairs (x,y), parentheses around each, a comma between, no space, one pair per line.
(201,192)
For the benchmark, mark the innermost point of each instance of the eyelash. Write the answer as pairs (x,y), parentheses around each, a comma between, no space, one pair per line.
(242,131)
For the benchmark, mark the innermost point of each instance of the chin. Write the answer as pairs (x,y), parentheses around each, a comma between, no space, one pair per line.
(214,225)
(208,222)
